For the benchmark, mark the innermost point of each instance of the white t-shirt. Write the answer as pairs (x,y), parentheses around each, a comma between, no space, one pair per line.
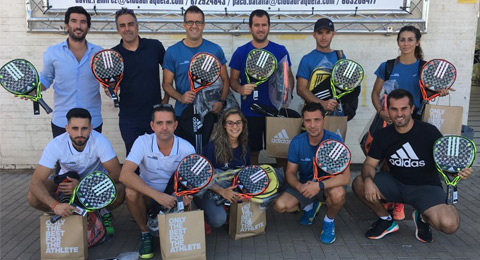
(156,168)
(97,151)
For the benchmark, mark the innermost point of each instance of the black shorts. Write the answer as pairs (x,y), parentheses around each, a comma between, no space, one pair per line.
(421,197)
(256,133)
(302,200)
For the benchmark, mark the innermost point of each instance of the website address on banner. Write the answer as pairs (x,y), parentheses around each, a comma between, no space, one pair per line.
(282,2)
(123,2)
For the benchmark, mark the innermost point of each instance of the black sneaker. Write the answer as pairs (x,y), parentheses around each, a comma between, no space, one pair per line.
(422,229)
(381,228)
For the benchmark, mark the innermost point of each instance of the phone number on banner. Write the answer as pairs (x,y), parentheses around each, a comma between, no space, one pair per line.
(234,5)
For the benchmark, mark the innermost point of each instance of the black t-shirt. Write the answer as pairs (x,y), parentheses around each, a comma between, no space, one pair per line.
(140,88)
(409,155)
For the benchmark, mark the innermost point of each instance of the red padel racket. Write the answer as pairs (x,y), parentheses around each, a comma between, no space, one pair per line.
(332,157)
(203,71)
(107,67)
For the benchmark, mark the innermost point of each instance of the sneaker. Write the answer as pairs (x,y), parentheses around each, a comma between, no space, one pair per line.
(309,216)
(146,247)
(398,212)
(107,223)
(328,232)
(422,229)
(381,228)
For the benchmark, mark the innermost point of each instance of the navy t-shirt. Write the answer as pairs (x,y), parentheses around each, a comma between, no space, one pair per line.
(237,162)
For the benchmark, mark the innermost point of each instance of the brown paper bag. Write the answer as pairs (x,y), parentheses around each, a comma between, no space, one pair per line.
(65,239)
(182,235)
(247,219)
(336,124)
(280,132)
(448,119)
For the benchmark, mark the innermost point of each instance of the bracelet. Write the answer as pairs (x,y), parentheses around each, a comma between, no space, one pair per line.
(321,185)
(54,205)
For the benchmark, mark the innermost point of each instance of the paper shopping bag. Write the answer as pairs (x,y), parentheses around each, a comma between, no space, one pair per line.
(247,219)
(336,124)
(280,132)
(65,239)
(448,119)
(182,235)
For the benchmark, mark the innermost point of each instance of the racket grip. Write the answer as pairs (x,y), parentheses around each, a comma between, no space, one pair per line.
(54,219)
(113,96)
(45,106)
(36,108)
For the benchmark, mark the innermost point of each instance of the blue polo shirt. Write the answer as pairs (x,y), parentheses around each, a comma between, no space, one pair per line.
(73,82)
(302,153)
(140,88)
(177,61)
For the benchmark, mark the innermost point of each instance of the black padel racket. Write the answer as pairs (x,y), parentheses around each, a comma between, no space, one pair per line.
(436,74)
(20,78)
(107,67)
(203,71)
(251,180)
(193,174)
(264,110)
(260,65)
(332,157)
(452,154)
(95,191)
(346,76)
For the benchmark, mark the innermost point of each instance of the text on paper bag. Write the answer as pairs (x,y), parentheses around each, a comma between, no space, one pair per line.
(246,219)
(177,233)
(53,238)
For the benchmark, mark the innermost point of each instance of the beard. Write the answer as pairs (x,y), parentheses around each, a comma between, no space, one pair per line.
(79,142)
(71,34)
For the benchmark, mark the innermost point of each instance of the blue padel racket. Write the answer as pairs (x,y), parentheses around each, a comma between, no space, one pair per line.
(452,154)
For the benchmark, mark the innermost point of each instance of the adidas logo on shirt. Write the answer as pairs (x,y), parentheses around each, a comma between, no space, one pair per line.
(324,94)
(281,138)
(406,157)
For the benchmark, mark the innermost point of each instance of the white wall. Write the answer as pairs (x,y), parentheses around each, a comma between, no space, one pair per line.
(451,35)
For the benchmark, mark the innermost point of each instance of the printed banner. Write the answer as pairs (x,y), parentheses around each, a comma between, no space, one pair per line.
(234,5)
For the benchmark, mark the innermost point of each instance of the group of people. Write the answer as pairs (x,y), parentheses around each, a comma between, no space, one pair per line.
(158,135)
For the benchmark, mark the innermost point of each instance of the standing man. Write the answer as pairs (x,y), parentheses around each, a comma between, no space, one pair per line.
(322,58)
(259,27)
(303,192)
(79,150)
(177,60)
(67,66)
(406,145)
(140,87)
(157,155)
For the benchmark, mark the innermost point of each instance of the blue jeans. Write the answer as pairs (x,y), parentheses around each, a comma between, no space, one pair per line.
(215,215)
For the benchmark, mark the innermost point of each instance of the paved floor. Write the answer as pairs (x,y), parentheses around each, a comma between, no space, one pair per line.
(284,239)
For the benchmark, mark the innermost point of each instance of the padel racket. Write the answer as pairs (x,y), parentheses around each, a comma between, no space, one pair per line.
(95,191)
(332,157)
(437,74)
(452,154)
(20,78)
(260,65)
(264,110)
(250,181)
(203,71)
(107,67)
(193,174)
(319,84)
(346,76)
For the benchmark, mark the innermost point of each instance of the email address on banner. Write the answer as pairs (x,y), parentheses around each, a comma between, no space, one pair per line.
(126,2)
(281,2)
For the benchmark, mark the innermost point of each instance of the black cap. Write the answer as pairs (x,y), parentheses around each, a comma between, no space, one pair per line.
(324,23)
